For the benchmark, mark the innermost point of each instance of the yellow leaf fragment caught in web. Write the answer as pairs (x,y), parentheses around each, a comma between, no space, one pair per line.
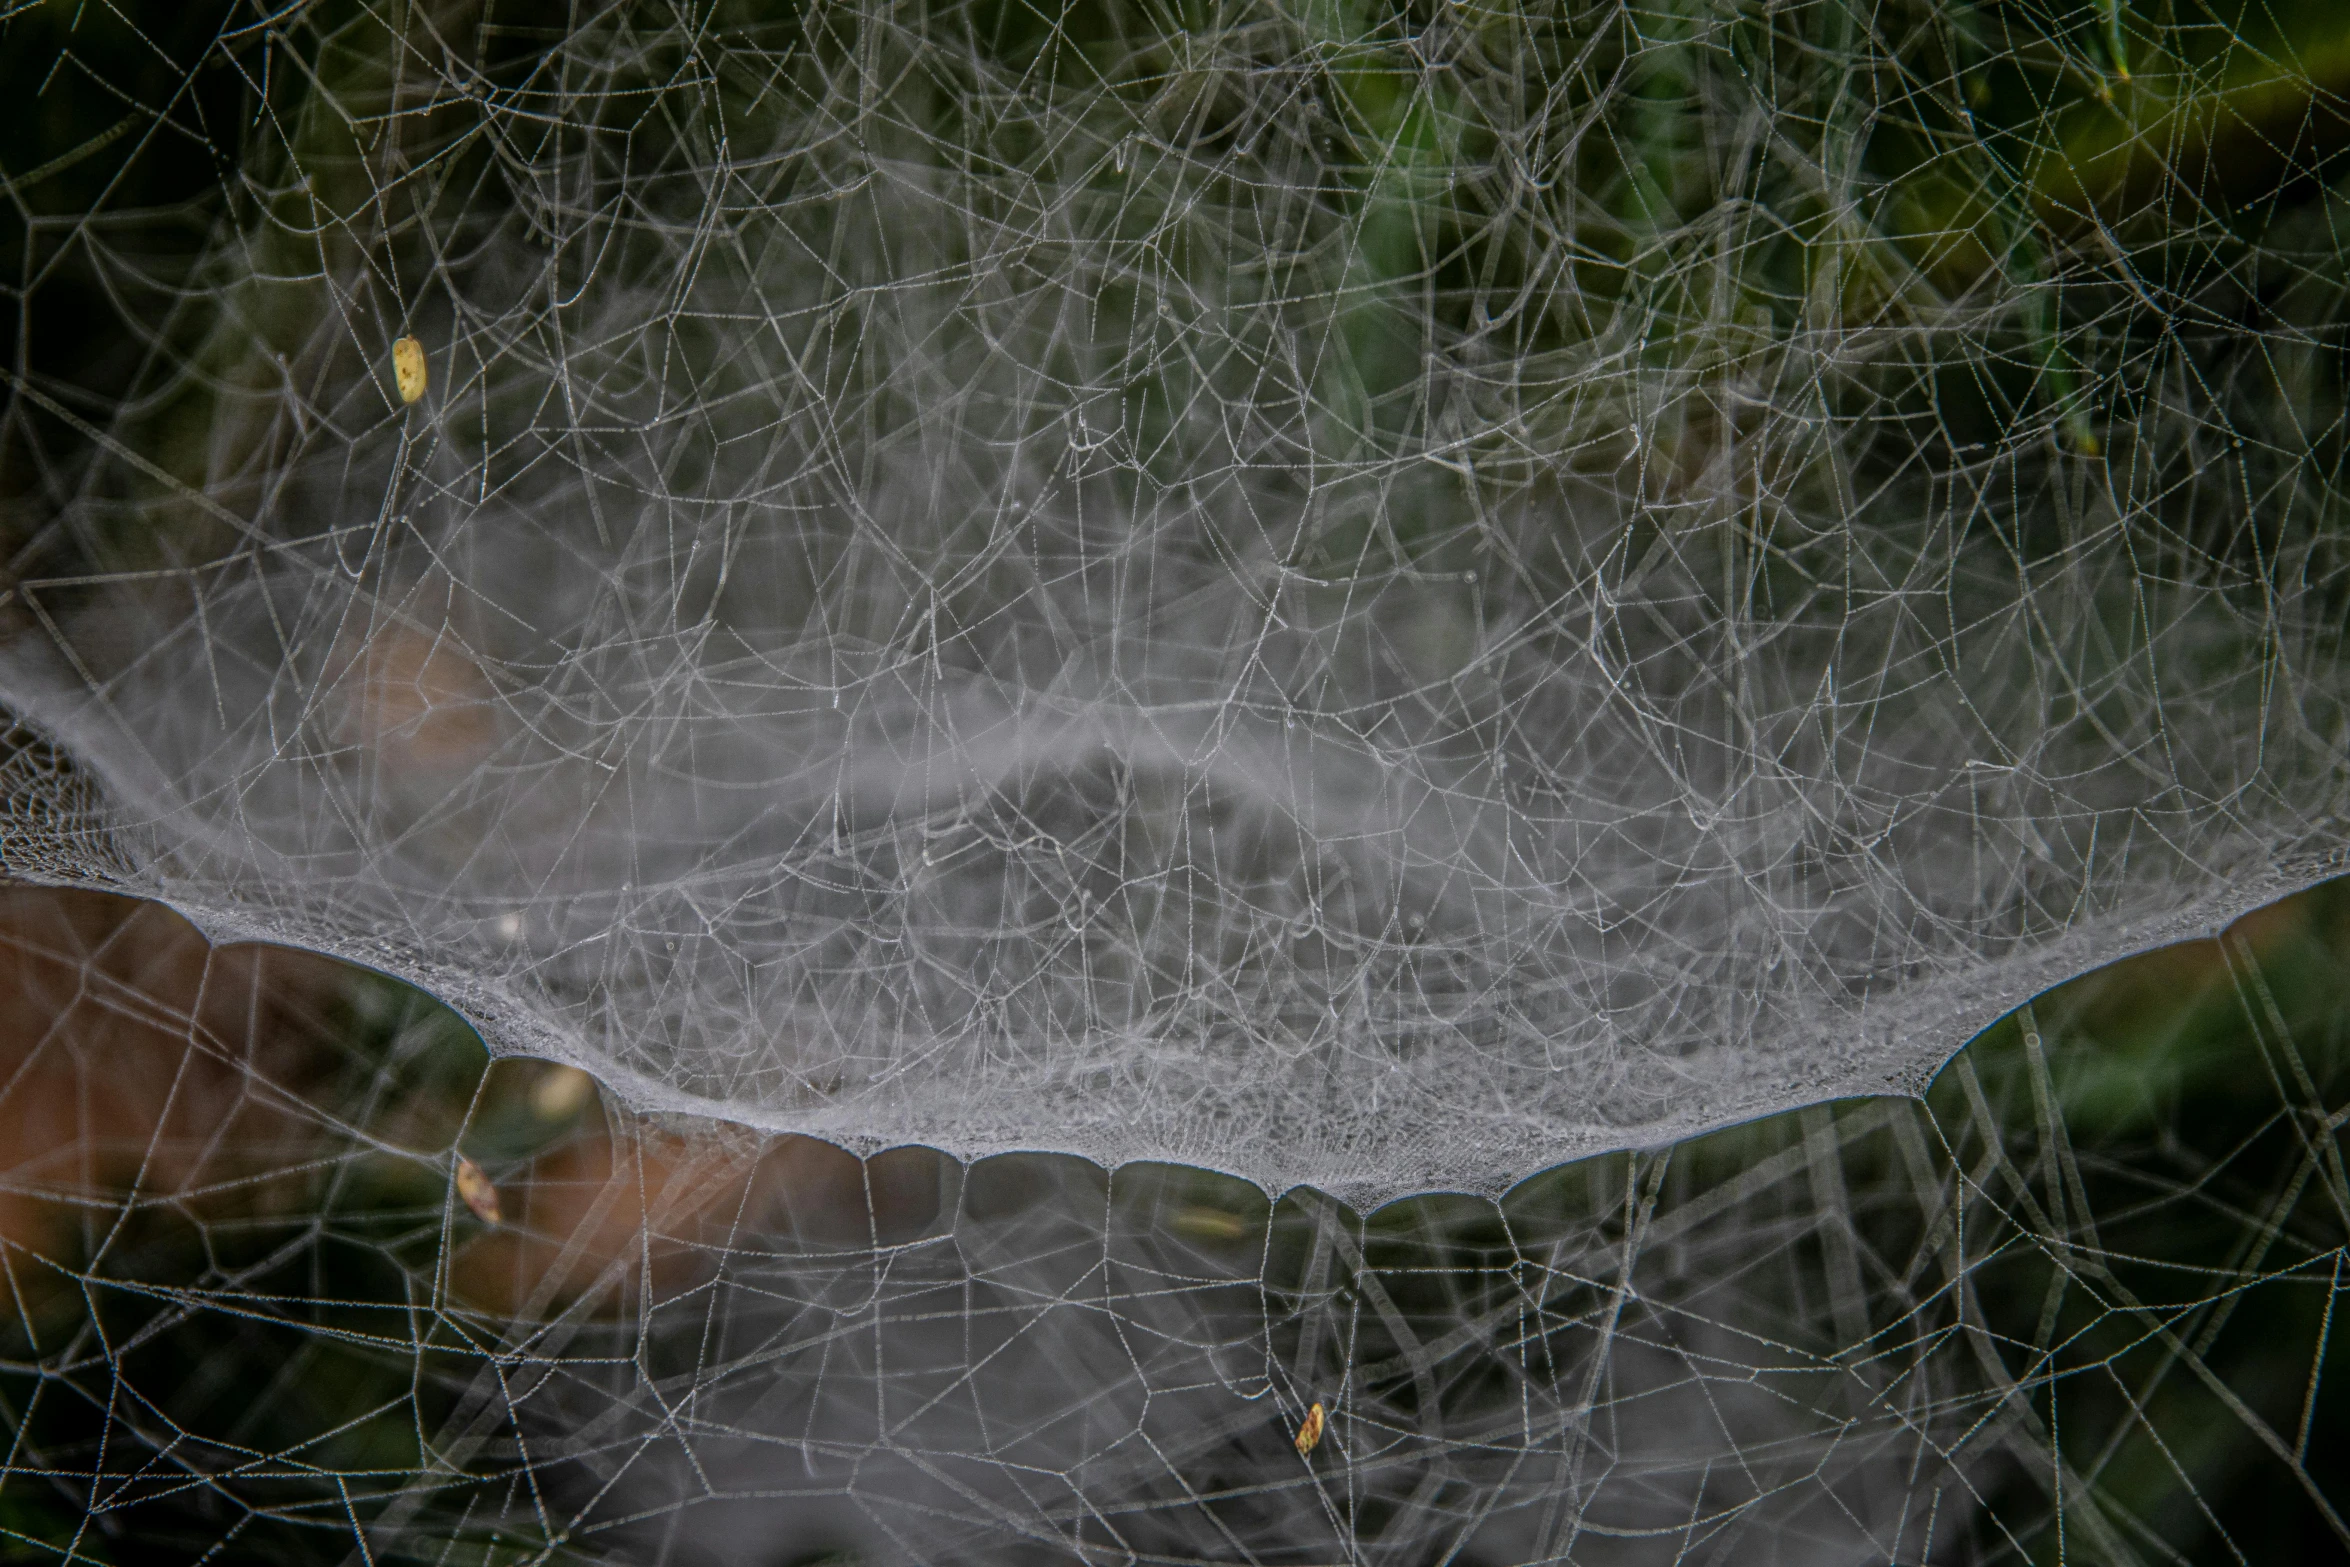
(479,1193)
(1309,1431)
(408,368)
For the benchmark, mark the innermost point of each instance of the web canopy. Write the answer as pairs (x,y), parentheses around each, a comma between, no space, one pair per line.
(1356,595)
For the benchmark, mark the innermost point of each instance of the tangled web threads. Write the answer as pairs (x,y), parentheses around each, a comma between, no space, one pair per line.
(2080,1297)
(1376,596)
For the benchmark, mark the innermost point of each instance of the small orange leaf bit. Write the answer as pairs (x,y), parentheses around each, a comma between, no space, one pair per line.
(476,1188)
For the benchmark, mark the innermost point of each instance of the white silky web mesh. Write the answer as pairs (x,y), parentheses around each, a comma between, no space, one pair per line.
(2079,1304)
(1369,596)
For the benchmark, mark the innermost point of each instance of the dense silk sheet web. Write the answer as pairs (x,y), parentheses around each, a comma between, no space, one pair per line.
(1036,666)
(1375,597)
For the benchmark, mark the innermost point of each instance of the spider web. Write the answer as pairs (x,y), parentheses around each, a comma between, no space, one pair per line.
(1067,644)
(1374,597)
(2080,1299)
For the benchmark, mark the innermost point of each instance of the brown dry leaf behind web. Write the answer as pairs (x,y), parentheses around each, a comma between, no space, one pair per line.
(634,1205)
(140,1064)
(148,1074)
(416,698)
